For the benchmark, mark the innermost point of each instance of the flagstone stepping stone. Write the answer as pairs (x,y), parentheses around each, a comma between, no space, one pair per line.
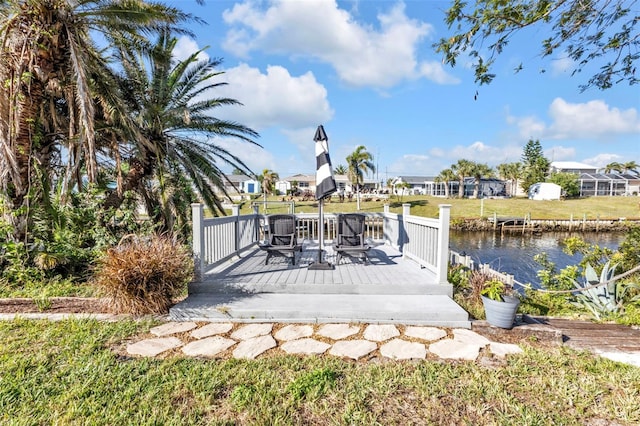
(354,349)
(211,330)
(429,334)
(153,347)
(455,349)
(294,332)
(209,346)
(252,330)
(253,347)
(170,328)
(305,346)
(463,335)
(380,332)
(338,331)
(503,349)
(402,349)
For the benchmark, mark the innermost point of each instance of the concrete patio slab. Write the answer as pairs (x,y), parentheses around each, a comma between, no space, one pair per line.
(252,330)
(402,349)
(154,347)
(305,346)
(211,330)
(455,349)
(430,334)
(208,347)
(170,328)
(338,331)
(293,332)
(354,349)
(251,348)
(380,332)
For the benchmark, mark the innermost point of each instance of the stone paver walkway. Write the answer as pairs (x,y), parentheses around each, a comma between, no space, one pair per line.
(350,341)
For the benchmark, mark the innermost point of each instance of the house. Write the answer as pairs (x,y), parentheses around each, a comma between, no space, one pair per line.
(236,185)
(415,185)
(308,183)
(488,187)
(593,184)
(608,184)
(571,167)
(299,182)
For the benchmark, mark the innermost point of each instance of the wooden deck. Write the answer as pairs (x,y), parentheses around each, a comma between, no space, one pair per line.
(387,288)
(386,271)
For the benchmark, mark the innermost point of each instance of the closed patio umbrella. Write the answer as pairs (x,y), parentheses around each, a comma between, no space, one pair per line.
(325,186)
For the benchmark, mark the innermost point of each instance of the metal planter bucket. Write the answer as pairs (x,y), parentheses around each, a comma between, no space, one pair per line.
(501,314)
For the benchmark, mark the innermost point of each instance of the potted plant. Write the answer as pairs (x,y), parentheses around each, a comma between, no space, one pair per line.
(500,303)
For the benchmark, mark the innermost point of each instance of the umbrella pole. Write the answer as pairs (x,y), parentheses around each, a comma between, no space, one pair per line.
(320,265)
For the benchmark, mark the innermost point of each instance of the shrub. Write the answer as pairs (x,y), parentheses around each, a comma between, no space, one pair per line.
(144,275)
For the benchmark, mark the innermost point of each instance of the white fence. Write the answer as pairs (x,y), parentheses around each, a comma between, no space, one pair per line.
(424,240)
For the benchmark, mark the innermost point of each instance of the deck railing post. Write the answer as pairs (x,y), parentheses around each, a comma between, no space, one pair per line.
(443,243)
(256,215)
(402,226)
(235,212)
(197,244)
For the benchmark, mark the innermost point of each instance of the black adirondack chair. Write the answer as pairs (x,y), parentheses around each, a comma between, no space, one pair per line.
(350,238)
(281,237)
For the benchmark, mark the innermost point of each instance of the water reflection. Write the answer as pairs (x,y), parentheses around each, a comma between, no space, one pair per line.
(513,253)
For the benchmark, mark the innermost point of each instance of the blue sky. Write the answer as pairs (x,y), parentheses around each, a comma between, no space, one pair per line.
(367,71)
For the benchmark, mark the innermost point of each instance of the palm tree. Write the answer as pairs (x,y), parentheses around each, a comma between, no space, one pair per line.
(359,162)
(340,169)
(480,171)
(613,167)
(446,176)
(630,166)
(172,104)
(462,169)
(53,73)
(512,173)
(267,180)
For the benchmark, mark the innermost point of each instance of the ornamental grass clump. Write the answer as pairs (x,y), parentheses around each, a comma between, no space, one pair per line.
(144,275)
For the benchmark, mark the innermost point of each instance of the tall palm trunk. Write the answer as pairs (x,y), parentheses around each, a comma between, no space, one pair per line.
(22,144)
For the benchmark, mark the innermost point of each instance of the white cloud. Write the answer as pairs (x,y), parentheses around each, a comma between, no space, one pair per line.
(275,98)
(185,47)
(560,153)
(602,160)
(438,159)
(589,120)
(255,157)
(593,119)
(362,55)
(530,128)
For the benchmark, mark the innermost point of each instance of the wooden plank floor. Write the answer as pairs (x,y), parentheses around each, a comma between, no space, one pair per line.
(386,289)
(385,272)
(594,336)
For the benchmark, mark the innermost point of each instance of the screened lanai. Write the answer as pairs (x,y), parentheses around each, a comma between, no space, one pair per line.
(601,184)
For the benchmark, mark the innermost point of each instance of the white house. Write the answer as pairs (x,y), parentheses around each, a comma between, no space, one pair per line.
(241,184)
(571,167)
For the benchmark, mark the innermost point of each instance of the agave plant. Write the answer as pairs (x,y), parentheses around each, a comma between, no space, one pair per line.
(599,294)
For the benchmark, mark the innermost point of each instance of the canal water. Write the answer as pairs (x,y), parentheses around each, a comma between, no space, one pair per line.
(514,253)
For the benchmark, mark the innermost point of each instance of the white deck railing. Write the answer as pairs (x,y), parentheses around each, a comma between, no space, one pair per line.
(424,240)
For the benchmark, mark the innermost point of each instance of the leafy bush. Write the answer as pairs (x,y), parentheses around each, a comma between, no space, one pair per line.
(144,275)
(618,300)
(63,239)
(468,287)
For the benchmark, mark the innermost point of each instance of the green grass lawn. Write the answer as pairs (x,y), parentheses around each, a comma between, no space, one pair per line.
(591,208)
(70,372)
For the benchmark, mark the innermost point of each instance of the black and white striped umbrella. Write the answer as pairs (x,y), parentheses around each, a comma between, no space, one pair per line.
(325,183)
